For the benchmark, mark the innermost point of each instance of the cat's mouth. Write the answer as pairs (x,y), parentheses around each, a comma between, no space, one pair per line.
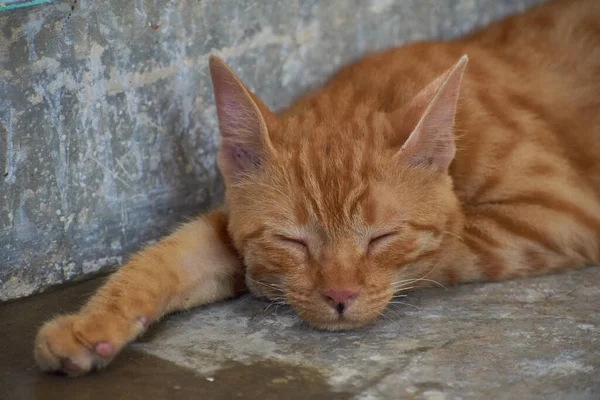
(325,313)
(318,310)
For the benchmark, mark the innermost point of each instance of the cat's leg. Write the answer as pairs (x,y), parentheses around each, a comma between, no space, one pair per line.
(195,265)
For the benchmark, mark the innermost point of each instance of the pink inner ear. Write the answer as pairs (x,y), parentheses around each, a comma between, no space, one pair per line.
(242,122)
(239,120)
(432,140)
(239,158)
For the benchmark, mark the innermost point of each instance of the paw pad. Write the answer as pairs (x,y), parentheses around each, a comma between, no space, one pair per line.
(104,349)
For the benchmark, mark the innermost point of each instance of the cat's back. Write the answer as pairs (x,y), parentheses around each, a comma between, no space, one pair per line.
(530,109)
(530,99)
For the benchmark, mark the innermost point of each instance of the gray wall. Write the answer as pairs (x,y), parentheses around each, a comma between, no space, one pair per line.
(107,123)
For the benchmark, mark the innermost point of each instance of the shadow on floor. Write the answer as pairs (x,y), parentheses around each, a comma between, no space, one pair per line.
(133,375)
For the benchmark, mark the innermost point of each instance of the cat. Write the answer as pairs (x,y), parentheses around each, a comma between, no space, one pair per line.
(439,162)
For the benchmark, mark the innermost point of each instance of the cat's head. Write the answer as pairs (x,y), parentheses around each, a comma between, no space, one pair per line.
(334,211)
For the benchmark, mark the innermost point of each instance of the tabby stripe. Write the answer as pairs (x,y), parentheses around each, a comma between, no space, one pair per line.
(299,169)
(219,222)
(424,227)
(502,155)
(360,199)
(582,152)
(255,233)
(451,276)
(542,170)
(519,228)
(535,259)
(558,205)
(494,109)
(488,262)
(421,257)
(473,230)
(490,184)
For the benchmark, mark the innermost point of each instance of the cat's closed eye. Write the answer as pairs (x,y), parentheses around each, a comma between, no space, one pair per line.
(296,243)
(380,240)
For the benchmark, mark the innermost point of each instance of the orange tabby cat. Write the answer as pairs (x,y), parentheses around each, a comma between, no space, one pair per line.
(406,168)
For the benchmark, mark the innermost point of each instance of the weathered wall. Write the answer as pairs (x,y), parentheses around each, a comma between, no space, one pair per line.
(107,124)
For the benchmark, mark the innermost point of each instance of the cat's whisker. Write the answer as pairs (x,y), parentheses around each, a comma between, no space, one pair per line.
(277,302)
(245,299)
(268,306)
(367,333)
(403,289)
(402,281)
(432,281)
(430,271)
(277,295)
(414,279)
(388,318)
(393,312)
(406,282)
(453,234)
(405,304)
(272,286)
(278,306)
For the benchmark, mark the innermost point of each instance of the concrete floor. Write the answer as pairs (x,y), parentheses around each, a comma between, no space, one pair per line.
(527,339)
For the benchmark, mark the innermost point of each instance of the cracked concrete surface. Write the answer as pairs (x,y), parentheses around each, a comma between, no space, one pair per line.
(536,338)
(107,124)
(526,339)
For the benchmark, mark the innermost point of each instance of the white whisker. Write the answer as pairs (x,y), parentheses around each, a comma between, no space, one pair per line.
(267,308)
(393,312)
(428,280)
(403,289)
(399,285)
(453,234)
(278,288)
(405,304)
(388,318)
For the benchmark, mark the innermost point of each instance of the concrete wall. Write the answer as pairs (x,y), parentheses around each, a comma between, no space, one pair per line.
(107,123)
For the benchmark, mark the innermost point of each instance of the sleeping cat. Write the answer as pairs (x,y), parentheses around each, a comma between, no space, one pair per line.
(436,162)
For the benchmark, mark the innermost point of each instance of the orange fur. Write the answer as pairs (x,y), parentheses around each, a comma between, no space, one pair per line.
(407,168)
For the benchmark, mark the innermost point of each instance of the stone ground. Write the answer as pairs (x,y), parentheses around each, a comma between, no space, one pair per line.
(527,339)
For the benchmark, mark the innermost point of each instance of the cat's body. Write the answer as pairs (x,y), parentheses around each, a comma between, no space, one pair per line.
(357,190)
(527,128)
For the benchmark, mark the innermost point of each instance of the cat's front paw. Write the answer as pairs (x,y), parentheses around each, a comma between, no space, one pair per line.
(75,345)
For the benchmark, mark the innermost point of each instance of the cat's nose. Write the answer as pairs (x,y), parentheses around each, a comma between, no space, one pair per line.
(339,298)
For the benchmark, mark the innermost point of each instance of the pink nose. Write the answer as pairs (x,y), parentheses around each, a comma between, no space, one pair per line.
(339,298)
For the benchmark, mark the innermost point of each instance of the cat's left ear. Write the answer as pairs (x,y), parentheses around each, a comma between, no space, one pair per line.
(431,142)
(245,123)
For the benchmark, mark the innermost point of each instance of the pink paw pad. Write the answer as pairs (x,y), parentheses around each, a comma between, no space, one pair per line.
(144,321)
(104,349)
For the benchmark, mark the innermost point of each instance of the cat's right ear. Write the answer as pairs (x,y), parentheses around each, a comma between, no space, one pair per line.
(244,123)
(431,142)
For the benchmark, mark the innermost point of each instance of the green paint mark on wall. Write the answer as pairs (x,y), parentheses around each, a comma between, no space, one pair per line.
(6,5)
